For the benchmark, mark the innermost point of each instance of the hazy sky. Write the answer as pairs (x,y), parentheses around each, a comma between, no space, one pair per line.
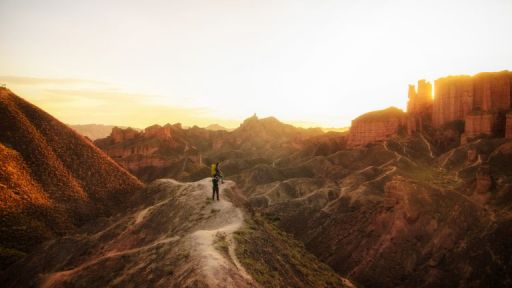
(317,62)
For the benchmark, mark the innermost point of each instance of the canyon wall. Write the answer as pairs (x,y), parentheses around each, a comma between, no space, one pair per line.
(480,102)
(119,135)
(157,148)
(419,106)
(420,102)
(456,97)
(453,99)
(508,129)
(159,132)
(480,124)
(375,126)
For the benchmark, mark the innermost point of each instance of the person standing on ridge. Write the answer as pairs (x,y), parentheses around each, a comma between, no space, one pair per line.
(215,182)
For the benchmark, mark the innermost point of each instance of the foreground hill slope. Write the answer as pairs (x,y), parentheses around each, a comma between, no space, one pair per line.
(51,179)
(178,237)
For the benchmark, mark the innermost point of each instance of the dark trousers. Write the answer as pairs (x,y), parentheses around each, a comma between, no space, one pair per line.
(215,191)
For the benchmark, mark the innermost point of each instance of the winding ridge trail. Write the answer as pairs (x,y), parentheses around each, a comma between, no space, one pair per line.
(220,228)
(179,238)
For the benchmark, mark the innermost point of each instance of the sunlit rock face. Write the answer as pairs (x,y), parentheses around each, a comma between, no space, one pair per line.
(154,152)
(118,134)
(481,101)
(480,124)
(453,99)
(171,151)
(158,131)
(375,126)
(419,107)
(421,100)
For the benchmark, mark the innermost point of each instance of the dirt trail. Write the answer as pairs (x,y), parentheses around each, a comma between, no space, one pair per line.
(431,153)
(179,238)
(219,232)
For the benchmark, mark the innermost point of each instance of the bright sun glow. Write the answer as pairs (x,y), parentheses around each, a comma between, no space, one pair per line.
(200,62)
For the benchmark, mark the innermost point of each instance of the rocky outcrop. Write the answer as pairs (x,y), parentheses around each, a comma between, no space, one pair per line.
(171,151)
(419,107)
(420,102)
(159,151)
(481,101)
(508,129)
(163,133)
(492,91)
(375,126)
(453,99)
(480,124)
(119,135)
(483,180)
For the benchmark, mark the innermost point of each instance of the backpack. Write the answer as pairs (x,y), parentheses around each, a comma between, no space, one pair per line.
(214,170)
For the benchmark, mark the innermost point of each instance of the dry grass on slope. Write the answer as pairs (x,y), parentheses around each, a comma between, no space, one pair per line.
(274,259)
(51,178)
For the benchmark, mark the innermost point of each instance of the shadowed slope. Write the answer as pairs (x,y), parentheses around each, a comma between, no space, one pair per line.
(51,178)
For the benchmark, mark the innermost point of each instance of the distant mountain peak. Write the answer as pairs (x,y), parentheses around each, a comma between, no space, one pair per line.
(216,127)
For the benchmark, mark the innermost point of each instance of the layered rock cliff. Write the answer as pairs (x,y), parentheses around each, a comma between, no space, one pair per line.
(508,131)
(158,151)
(480,123)
(375,126)
(419,107)
(481,101)
(420,101)
(174,152)
(453,99)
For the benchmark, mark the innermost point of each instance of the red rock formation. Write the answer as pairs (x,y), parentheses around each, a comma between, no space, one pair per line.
(421,101)
(119,135)
(157,149)
(158,131)
(457,96)
(419,106)
(508,129)
(472,155)
(481,101)
(375,126)
(453,99)
(483,183)
(492,91)
(480,124)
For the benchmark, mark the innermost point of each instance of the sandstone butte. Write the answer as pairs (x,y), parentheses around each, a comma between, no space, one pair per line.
(481,104)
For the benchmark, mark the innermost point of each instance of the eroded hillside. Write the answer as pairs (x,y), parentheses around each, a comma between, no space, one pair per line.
(52,180)
(413,209)
(397,214)
(178,238)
